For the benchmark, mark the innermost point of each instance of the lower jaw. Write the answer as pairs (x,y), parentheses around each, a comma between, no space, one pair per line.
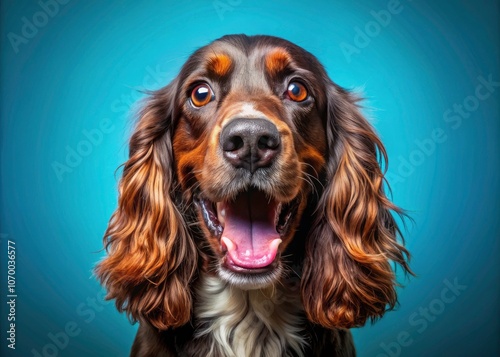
(250,279)
(250,271)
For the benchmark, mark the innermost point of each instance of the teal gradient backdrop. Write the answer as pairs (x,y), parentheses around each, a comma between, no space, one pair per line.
(71,73)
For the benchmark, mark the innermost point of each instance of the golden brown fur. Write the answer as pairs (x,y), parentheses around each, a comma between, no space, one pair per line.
(325,169)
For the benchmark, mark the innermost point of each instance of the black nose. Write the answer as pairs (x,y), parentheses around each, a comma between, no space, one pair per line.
(250,143)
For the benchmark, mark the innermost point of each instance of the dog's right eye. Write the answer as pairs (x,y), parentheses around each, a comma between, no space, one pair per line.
(201,95)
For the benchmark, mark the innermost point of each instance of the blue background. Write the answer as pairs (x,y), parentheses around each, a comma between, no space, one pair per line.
(84,68)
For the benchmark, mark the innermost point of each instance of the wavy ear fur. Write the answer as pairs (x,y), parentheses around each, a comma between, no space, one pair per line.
(347,277)
(151,257)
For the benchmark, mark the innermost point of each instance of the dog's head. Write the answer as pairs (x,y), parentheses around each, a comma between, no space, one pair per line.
(251,139)
(249,146)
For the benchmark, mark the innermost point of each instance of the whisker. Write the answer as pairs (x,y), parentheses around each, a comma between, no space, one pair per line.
(311,166)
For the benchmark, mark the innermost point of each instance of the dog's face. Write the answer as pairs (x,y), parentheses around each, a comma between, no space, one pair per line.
(251,138)
(249,143)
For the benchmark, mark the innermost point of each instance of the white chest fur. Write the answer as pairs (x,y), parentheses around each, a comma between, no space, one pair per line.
(262,322)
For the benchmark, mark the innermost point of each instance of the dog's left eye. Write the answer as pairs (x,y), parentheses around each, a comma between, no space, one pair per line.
(201,95)
(297,92)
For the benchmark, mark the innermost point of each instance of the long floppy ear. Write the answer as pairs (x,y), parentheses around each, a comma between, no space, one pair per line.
(151,257)
(347,276)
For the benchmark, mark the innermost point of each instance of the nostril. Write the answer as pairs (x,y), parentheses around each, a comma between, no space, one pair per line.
(233,143)
(268,142)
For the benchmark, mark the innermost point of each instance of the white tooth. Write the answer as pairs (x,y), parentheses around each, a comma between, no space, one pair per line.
(228,243)
(221,213)
(275,243)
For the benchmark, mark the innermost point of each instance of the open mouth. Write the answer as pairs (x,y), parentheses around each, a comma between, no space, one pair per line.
(250,228)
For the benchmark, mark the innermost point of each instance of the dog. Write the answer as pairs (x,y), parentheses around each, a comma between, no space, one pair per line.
(252,218)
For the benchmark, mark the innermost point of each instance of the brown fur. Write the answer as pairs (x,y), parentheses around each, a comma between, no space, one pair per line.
(328,161)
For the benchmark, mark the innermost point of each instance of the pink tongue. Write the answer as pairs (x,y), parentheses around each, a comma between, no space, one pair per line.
(250,230)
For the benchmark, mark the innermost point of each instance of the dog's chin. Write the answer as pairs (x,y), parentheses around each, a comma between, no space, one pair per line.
(250,279)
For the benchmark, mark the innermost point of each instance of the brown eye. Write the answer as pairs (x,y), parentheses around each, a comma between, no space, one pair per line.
(202,95)
(297,91)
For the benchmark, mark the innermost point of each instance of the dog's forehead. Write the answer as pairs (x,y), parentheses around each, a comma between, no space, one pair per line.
(248,65)
(252,65)
(248,59)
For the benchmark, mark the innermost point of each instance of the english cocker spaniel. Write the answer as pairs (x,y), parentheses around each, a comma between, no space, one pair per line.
(252,218)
